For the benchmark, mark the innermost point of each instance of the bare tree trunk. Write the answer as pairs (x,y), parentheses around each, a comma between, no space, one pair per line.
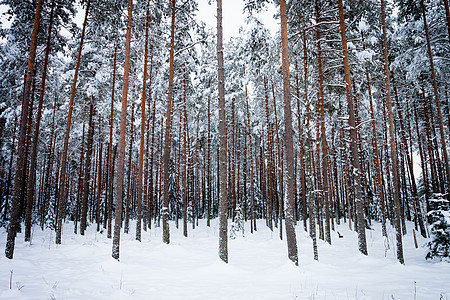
(353,137)
(232,177)
(49,171)
(146,212)
(415,195)
(121,149)
(252,188)
(141,146)
(208,166)
(87,169)
(270,164)
(436,93)
(448,110)
(99,175)
(32,172)
(79,184)
(394,155)
(150,184)
(223,201)
(279,167)
(19,181)
(62,179)
(185,163)
(326,191)
(109,199)
(377,156)
(290,229)
(300,134)
(168,139)
(130,170)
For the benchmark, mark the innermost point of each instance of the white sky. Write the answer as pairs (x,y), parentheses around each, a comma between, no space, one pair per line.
(233,16)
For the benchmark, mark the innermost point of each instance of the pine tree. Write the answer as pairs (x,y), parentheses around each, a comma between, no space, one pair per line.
(222,158)
(121,148)
(290,230)
(353,136)
(62,177)
(19,179)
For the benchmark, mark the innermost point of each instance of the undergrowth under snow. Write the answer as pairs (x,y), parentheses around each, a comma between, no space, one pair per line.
(189,268)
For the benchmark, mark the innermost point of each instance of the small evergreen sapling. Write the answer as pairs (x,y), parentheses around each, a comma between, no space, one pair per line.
(238,224)
(439,216)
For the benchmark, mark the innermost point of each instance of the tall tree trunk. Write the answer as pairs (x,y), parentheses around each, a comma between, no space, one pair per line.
(232,177)
(152,189)
(394,156)
(49,171)
(19,179)
(109,199)
(99,175)
(121,149)
(321,106)
(252,188)
(8,180)
(362,245)
(280,169)
(409,162)
(436,93)
(300,133)
(146,211)
(222,158)
(32,172)
(289,143)
(422,157)
(379,179)
(208,166)
(141,146)
(27,151)
(168,139)
(79,183)
(62,179)
(270,176)
(87,169)
(185,163)
(130,170)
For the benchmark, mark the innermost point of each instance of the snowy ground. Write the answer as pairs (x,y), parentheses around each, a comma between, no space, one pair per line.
(189,268)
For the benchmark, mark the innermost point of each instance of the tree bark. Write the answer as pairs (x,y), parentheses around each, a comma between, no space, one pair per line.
(208,166)
(376,153)
(325,164)
(252,188)
(19,181)
(62,179)
(128,202)
(141,146)
(32,171)
(409,162)
(99,175)
(289,211)
(436,93)
(222,159)
(87,169)
(110,189)
(121,149)
(362,245)
(168,138)
(394,156)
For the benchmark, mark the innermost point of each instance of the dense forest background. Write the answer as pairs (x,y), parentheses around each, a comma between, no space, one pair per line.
(118,121)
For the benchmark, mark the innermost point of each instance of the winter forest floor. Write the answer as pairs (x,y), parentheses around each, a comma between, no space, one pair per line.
(189,268)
